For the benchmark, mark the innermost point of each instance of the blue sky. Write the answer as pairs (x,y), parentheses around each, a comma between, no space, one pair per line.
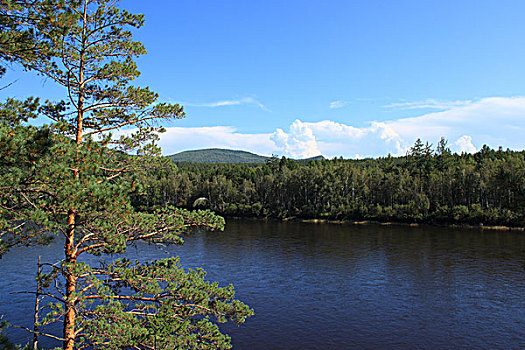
(351,78)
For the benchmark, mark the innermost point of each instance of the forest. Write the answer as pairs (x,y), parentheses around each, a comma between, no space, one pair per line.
(426,186)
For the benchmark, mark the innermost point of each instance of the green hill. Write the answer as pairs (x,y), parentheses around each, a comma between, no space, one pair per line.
(311,158)
(219,155)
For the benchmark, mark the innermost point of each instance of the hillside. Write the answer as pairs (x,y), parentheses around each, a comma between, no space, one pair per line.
(319,157)
(219,155)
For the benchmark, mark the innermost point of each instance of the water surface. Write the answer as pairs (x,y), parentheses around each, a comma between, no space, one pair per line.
(327,286)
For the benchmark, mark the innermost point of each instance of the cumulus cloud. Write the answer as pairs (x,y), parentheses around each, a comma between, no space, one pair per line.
(222,103)
(336,139)
(465,144)
(331,129)
(495,121)
(178,139)
(299,142)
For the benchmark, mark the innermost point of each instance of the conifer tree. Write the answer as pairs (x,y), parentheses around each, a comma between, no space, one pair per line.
(20,21)
(63,179)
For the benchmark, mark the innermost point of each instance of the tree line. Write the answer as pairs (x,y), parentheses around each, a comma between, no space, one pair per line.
(427,186)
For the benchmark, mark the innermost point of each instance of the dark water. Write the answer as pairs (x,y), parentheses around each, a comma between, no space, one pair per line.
(343,286)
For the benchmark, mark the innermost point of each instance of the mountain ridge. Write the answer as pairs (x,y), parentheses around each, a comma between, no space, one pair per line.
(223,155)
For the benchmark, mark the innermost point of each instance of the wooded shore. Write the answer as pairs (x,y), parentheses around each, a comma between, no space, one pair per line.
(485,189)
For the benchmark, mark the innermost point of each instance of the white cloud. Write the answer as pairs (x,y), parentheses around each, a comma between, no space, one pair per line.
(338,104)
(465,144)
(241,101)
(428,103)
(177,139)
(331,129)
(298,143)
(495,121)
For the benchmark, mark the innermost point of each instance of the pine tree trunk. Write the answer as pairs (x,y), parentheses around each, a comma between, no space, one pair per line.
(37,306)
(69,307)
(69,246)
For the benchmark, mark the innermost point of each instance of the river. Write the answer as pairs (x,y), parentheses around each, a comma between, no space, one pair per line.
(329,286)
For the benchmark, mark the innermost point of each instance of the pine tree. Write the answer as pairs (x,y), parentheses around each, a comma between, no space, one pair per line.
(20,21)
(63,179)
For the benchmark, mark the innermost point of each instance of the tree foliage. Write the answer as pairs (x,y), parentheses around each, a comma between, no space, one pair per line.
(62,179)
(20,24)
(487,187)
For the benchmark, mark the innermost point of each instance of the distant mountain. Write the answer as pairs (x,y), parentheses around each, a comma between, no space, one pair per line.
(311,158)
(219,155)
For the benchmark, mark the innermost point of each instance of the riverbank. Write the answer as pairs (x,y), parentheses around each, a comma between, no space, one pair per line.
(371,222)
(387,223)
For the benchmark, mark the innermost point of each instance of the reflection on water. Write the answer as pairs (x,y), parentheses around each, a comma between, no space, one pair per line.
(343,286)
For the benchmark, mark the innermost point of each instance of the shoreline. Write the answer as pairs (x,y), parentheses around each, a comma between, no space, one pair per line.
(383,223)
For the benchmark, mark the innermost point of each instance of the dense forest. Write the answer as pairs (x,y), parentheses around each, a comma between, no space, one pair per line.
(427,185)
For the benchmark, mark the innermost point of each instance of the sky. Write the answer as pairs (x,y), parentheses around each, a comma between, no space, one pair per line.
(338,78)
